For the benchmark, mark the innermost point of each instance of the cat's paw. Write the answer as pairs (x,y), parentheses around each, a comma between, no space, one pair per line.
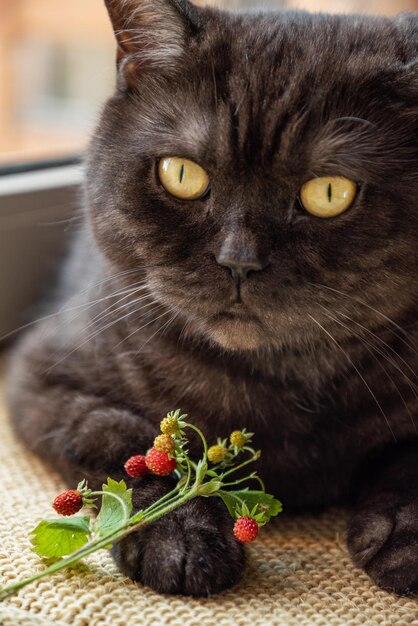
(190,551)
(385,545)
(102,437)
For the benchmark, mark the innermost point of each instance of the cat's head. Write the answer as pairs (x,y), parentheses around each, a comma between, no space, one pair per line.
(262,169)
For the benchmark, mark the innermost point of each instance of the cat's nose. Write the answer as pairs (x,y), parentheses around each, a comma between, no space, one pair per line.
(240,270)
(240,253)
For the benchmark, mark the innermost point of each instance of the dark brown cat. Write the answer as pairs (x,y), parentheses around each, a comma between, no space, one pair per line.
(249,254)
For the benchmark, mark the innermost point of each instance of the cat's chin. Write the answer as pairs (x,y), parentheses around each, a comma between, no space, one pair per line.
(237,334)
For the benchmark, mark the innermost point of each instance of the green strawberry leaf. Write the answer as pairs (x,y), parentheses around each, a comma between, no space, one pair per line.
(247,499)
(59,537)
(115,510)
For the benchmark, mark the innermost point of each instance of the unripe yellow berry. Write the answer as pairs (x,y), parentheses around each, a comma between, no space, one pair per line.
(169,425)
(216,454)
(164,443)
(238,439)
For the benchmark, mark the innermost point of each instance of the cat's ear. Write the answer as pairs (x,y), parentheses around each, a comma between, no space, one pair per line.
(150,33)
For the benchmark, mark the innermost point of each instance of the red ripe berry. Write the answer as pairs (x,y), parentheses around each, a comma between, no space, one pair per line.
(245,529)
(136,466)
(68,503)
(159,463)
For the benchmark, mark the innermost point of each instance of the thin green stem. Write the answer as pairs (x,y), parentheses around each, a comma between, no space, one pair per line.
(116,497)
(157,506)
(169,507)
(164,498)
(234,469)
(241,480)
(199,432)
(263,487)
(189,474)
(248,449)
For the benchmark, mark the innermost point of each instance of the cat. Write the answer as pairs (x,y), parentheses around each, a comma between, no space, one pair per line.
(248,254)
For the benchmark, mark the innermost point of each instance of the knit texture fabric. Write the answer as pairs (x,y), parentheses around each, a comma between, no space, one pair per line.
(298,573)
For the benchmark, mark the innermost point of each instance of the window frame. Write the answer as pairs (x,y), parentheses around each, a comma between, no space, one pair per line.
(38,204)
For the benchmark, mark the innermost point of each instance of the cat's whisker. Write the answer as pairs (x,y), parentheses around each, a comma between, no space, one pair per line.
(87,305)
(100,317)
(163,328)
(358,372)
(172,320)
(52,434)
(117,320)
(215,86)
(95,334)
(131,291)
(84,305)
(351,118)
(141,327)
(182,335)
(384,343)
(109,278)
(380,350)
(65,221)
(368,306)
(77,214)
(371,349)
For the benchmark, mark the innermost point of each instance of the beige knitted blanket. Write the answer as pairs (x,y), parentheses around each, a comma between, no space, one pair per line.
(298,573)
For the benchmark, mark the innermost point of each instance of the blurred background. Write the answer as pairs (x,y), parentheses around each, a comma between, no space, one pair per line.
(57,67)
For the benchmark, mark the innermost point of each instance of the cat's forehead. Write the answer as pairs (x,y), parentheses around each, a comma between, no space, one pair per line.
(275,89)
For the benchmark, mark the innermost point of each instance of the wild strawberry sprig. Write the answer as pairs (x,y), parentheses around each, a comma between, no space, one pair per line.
(71,537)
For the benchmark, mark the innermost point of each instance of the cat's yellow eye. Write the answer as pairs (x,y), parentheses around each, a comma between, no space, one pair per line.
(182,178)
(328,196)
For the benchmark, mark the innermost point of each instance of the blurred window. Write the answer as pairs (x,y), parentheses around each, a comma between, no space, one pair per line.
(57,67)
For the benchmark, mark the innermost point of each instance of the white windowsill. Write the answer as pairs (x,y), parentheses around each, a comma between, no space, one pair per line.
(53,178)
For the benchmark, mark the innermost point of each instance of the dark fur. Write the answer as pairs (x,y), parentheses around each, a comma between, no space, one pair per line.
(264,103)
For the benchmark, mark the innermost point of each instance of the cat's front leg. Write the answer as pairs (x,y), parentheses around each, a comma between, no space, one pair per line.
(190,551)
(383,530)
(80,434)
